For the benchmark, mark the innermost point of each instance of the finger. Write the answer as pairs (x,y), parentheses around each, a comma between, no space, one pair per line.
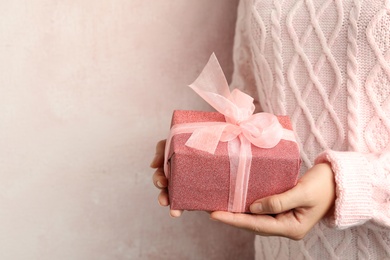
(159,179)
(279,203)
(158,159)
(175,213)
(261,224)
(163,198)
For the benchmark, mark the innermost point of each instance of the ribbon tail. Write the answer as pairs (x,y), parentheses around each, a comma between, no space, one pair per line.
(233,148)
(212,79)
(239,173)
(212,86)
(289,135)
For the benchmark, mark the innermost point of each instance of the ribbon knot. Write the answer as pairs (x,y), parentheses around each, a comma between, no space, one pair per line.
(262,129)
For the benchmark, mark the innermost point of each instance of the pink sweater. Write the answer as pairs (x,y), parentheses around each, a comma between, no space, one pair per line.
(326,63)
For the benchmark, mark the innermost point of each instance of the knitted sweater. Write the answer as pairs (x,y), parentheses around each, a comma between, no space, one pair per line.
(326,64)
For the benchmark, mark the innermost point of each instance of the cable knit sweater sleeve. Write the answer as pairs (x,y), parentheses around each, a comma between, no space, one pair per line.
(330,73)
(362,187)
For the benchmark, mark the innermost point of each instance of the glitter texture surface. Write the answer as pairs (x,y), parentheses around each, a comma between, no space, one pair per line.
(201,181)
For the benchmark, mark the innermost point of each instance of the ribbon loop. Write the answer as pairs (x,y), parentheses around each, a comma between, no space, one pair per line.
(212,86)
(207,138)
(262,129)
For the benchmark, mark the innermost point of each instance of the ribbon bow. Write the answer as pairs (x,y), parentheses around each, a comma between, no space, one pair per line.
(241,129)
(262,130)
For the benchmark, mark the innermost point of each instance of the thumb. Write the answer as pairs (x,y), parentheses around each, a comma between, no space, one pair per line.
(279,203)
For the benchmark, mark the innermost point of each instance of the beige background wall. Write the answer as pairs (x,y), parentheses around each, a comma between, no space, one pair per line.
(86,90)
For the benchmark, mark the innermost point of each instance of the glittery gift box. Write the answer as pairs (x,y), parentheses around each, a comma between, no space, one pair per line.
(200,181)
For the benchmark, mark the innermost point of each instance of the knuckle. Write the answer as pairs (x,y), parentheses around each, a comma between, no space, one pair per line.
(158,178)
(160,173)
(155,176)
(275,205)
(162,195)
(256,230)
(163,198)
(255,227)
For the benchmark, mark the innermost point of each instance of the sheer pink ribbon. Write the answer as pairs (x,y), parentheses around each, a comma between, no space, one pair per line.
(241,129)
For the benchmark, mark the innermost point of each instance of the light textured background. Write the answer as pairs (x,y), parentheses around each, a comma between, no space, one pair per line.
(86,90)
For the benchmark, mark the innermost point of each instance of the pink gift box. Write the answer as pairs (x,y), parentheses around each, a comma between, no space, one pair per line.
(201,181)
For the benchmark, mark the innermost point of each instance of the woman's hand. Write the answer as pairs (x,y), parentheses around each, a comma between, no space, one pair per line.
(290,214)
(159,179)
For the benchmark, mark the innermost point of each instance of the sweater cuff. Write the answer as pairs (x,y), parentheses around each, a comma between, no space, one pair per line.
(353,205)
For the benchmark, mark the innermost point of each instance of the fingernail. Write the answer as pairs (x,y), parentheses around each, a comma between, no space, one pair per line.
(159,184)
(256,208)
(174,213)
(162,204)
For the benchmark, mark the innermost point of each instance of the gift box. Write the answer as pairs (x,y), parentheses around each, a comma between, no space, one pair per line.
(198,180)
(226,160)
